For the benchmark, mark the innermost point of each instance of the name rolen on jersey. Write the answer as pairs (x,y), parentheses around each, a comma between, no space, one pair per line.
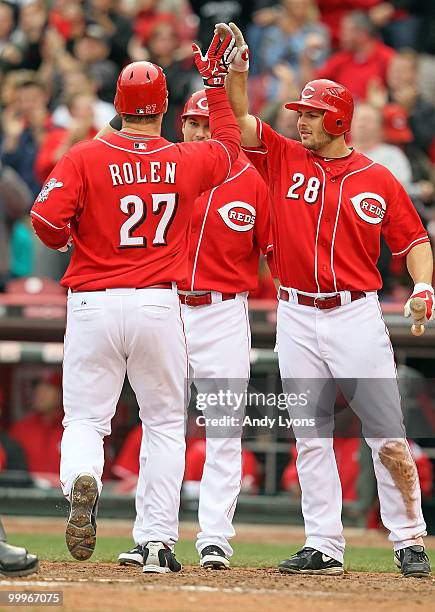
(142,199)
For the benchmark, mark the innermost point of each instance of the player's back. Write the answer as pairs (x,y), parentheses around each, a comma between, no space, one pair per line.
(133,197)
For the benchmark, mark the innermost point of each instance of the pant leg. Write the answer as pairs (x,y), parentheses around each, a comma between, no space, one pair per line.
(363,359)
(157,371)
(140,520)
(219,339)
(93,374)
(303,368)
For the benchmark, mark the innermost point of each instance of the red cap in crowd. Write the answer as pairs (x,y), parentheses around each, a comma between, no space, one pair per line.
(396,127)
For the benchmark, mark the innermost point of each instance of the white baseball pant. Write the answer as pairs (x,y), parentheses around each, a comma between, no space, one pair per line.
(218,343)
(109,334)
(348,342)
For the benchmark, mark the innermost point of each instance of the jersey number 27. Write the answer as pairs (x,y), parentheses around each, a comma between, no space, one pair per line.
(136,209)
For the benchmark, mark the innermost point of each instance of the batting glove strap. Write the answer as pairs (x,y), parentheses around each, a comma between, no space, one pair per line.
(214,81)
(426,292)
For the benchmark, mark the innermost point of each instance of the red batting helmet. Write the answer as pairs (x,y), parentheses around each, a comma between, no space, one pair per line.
(141,90)
(196,105)
(333,98)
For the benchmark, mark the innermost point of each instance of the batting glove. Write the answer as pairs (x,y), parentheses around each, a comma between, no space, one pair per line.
(426,292)
(213,66)
(240,62)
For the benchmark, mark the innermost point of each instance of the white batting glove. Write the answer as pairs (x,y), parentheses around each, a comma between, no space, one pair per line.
(425,292)
(240,62)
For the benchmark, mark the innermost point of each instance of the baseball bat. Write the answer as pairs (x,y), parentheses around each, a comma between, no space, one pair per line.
(418,313)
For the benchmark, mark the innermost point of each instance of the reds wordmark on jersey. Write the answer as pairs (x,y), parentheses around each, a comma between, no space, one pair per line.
(230,225)
(128,200)
(328,215)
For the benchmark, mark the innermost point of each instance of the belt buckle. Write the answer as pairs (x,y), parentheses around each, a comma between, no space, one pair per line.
(187,300)
(335,297)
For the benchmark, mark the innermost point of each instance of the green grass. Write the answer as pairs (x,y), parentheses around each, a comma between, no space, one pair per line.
(51,547)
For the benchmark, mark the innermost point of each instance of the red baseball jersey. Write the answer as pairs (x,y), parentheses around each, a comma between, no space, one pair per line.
(327,215)
(128,201)
(230,224)
(40,439)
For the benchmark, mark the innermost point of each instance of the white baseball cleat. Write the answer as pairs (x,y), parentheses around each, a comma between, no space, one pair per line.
(158,558)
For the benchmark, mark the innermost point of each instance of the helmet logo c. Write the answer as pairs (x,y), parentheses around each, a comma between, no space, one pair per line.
(305,95)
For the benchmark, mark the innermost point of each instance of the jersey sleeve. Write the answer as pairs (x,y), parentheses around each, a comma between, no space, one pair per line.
(207,163)
(58,203)
(402,227)
(265,158)
(270,259)
(210,163)
(262,218)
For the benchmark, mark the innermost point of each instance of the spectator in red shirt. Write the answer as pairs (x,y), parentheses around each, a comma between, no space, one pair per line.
(40,431)
(362,59)
(333,11)
(57,142)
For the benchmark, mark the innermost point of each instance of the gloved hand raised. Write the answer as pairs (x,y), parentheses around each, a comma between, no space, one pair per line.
(213,66)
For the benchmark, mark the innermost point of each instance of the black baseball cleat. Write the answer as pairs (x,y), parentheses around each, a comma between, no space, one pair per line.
(132,557)
(81,528)
(158,558)
(213,557)
(311,561)
(413,562)
(16,561)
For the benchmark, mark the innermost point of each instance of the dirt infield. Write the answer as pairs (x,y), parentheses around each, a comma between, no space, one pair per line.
(108,587)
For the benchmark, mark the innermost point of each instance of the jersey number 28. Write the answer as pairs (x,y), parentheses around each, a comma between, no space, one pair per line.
(136,209)
(311,190)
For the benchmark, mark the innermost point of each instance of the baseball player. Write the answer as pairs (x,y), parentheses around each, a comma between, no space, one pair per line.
(14,560)
(230,225)
(126,202)
(330,205)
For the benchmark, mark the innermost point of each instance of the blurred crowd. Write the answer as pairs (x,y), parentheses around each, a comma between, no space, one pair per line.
(59,61)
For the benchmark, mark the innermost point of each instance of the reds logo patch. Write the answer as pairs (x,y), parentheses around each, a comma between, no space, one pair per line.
(370,207)
(238,216)
(45,191)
